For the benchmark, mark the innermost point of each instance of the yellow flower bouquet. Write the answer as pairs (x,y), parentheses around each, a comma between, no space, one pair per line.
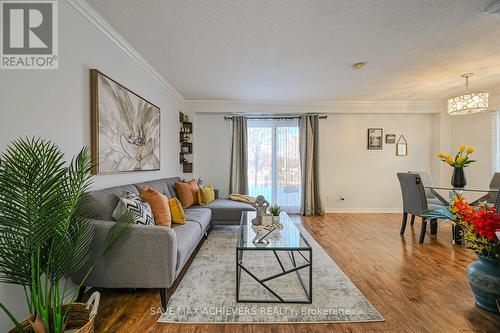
(461,159)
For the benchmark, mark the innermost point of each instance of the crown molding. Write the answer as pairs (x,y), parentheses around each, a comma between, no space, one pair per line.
(89,13)
(326,107)
(310,103)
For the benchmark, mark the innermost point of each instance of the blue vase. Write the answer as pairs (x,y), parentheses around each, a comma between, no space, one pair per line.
(484,279)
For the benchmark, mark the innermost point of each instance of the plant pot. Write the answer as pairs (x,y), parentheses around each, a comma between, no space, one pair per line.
(484,279)
(80,316)
(276,219)
(458,179)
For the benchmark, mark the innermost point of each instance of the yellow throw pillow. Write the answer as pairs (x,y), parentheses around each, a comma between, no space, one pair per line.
(206,195)
(176,211)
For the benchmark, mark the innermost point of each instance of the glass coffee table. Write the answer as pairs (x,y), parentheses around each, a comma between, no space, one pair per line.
(291,250)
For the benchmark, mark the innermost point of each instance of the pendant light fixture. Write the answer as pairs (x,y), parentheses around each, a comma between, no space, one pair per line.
(469,102)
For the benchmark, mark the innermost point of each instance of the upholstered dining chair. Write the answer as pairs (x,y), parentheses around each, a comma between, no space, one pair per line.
(415,202)
(432,196)
(491,198)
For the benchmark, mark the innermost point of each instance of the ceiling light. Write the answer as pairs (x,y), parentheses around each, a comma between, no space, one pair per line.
(469,102)
(359,66)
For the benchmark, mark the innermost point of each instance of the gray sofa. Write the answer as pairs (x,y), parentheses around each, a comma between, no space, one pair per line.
(150,256)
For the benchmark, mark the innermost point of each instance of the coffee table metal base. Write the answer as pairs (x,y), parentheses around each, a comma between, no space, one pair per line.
(295,268)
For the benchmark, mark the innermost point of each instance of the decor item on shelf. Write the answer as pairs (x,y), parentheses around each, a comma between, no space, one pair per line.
(275,211)
(402,146)
(469,102)
(186,148)
(390,138)
(260,206)
(46,232)
(125,128)
(479,224)
(375,138)
(460,161)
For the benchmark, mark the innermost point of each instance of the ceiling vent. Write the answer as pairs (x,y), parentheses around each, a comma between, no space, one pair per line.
(494,8)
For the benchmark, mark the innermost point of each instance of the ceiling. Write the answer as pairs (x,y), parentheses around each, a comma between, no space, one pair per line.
(302,50)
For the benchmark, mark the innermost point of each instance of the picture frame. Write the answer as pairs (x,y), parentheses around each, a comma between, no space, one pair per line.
(390,138)
(402,146)
(125,128)
(375,139)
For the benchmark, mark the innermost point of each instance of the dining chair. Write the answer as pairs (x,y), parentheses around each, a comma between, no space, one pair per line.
(415,202)
(492,197)
(433,198)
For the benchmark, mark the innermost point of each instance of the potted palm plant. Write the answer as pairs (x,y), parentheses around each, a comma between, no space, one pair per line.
(479,224)
(45,233)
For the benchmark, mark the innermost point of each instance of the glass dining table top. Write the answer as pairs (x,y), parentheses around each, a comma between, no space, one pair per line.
(472,194)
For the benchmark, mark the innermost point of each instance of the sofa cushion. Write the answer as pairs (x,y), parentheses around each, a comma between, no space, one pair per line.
(227,210)
(104,201)
(159,185)
(171,185)
(176,211)
(188,236)
(202,216)
(206,195)
(159,206)
(131,203)
(187,193)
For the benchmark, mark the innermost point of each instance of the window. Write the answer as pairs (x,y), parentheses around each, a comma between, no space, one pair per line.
(495,140)
(274,162)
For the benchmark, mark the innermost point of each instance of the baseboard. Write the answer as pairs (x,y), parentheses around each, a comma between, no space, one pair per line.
(363,210)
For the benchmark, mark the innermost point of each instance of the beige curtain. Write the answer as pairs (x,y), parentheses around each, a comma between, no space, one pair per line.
(238,182)
(309,159)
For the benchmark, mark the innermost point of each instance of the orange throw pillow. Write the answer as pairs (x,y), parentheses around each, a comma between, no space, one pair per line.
(159,206)
(187,193)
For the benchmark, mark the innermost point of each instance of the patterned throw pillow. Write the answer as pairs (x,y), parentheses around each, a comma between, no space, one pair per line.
(139,208)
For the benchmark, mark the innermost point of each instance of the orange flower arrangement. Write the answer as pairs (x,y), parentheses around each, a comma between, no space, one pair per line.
(479,224)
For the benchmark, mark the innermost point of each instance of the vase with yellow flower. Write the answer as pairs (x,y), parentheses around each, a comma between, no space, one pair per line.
(459,162)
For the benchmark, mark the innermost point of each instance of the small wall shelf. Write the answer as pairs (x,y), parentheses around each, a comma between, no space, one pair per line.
(186,144)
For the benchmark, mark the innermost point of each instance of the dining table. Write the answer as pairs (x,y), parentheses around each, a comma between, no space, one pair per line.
(474,196)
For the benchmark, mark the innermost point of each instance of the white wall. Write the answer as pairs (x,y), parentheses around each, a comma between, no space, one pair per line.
(474,130)
(56,105)
(212,150)
(367,179)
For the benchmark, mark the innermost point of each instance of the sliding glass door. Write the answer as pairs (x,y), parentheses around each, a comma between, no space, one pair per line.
(274,161)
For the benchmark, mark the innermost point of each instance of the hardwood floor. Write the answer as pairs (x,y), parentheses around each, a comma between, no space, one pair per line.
(416,287)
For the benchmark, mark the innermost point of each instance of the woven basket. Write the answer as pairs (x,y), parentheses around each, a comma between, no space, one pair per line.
(80,316)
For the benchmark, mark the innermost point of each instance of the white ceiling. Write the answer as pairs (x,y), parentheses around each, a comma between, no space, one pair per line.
(302,50)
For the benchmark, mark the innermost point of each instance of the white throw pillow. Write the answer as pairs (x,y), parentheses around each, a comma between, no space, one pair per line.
(139,208)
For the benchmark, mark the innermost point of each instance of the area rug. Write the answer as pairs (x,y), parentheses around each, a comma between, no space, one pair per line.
(206,294)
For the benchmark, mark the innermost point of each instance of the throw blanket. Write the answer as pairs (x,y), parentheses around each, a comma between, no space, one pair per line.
(242,197)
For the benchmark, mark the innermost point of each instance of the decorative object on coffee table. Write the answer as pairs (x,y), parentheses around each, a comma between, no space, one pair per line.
(375,139)
(125,128)
(479,225)
(459,162)
(275,211)
(260,206)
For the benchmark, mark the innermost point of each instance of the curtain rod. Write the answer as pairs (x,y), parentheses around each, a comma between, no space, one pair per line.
(322,116)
